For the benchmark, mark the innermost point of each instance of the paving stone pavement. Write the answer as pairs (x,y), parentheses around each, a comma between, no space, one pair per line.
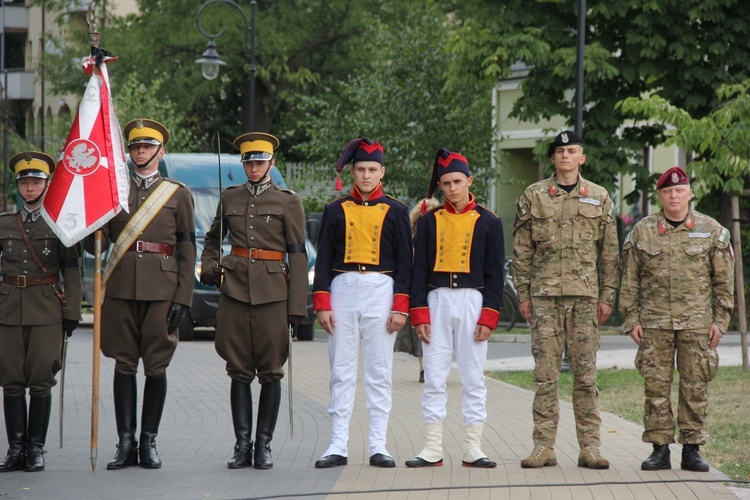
(196,439)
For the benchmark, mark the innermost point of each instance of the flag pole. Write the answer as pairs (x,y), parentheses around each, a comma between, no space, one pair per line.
(94,38)
(97,342)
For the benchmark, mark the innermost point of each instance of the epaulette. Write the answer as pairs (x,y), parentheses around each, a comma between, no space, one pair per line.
(285,190)
(175,181)
(233,186)
(395,199)
(8,213)
(336,199)
(487,209)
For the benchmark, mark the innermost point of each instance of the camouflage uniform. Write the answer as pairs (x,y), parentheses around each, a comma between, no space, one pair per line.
(676,281)
(559,238)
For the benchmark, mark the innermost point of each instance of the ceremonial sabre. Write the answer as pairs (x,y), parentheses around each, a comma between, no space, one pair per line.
(66,340)
(291,406)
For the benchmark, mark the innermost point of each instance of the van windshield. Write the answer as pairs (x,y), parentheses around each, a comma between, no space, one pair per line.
(206,201)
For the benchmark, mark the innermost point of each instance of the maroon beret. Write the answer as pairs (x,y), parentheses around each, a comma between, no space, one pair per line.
(675,176)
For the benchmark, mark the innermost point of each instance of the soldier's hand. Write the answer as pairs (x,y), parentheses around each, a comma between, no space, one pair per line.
(424,333)
(396,322)
(714,335)
(482,333)
(637,334)
(176,314)
(69,325)
(326,320)
(211,276)
(603,312)
(526,310)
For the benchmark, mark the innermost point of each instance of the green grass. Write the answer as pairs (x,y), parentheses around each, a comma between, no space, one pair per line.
(621,393)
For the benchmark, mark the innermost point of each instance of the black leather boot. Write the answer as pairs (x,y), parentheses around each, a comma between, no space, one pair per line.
(125,394)
(268,413)
(659,458)
(15,428)
(40,408)
(242,419)
(692,460)
(154,396)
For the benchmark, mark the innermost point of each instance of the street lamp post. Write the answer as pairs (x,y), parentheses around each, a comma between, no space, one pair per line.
(211,63)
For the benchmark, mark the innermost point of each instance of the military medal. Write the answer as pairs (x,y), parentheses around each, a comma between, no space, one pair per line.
(46,250)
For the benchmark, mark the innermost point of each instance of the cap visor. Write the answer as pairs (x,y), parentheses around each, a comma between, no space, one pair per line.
(144,140)
(256,156)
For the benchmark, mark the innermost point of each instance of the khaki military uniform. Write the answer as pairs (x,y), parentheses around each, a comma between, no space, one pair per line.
(144,284)
(676,282)
(565,256)
(258,294)
(31,315)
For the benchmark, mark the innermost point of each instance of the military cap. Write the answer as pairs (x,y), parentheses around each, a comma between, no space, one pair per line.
(564,138)
(256,146)
(357,150)
(32,164)
(675,176)
(144,131)
(446,162)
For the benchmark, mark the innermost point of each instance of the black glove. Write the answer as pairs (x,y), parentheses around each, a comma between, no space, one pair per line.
(69,325)
(176,314)
(211,276)
(294,321)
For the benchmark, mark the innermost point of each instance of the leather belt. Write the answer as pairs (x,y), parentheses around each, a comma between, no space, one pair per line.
(257,253)
(146,246)
(24,281)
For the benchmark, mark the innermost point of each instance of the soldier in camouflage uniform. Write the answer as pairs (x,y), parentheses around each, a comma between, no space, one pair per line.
(677,296)
(564,228)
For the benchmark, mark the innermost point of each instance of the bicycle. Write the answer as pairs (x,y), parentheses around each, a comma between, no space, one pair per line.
(509,308)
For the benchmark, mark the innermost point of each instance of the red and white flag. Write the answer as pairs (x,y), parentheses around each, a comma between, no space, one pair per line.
(90,184)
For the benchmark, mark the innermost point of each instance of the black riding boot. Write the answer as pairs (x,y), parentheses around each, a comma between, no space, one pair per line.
(125,394)
(40,408)
(154,396)
(659,459)
(692,460)
(242,419)
(268,412)
(15,427)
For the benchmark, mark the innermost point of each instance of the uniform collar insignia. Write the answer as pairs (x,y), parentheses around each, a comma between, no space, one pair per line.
(145,182)
(690,222)
(31,215)
(584,190)
(553,189)
(376,193)
(258,189)
(662,227)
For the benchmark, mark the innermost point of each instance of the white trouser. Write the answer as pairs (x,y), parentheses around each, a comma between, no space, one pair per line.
(361,304)
(453,319)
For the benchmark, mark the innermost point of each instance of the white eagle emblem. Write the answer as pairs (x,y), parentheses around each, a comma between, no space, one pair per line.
(675,177)
(81,157)
(564,138)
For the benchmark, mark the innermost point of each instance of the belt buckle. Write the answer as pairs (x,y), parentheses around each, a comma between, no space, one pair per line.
(250,254)
(21,281)
(139,246)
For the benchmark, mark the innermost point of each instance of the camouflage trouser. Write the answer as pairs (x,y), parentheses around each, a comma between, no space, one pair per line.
(571,320)
(697,365)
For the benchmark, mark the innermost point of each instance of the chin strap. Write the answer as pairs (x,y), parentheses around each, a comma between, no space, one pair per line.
(147,162)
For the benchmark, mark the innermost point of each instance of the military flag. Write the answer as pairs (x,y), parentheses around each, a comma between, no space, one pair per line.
(90,185)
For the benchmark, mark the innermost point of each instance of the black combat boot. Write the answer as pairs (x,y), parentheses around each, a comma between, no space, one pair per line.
(15,428)
(125,394)
(659,458)
(40,408)
(268,412)
(242,420)
(154,396)
(692,460)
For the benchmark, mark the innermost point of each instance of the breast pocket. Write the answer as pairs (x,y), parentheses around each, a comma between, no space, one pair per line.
(543,224)
(652,257)
(589,218)
(271,219)
(236,218)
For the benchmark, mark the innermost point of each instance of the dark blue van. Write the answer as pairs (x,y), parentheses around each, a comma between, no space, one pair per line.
(200,172)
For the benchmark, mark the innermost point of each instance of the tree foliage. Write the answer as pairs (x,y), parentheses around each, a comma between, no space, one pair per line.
(401,101)
(721,139)
(298,43)
(677,49)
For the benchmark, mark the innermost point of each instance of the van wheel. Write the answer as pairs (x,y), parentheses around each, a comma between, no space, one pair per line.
(187,332)
(305,332)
